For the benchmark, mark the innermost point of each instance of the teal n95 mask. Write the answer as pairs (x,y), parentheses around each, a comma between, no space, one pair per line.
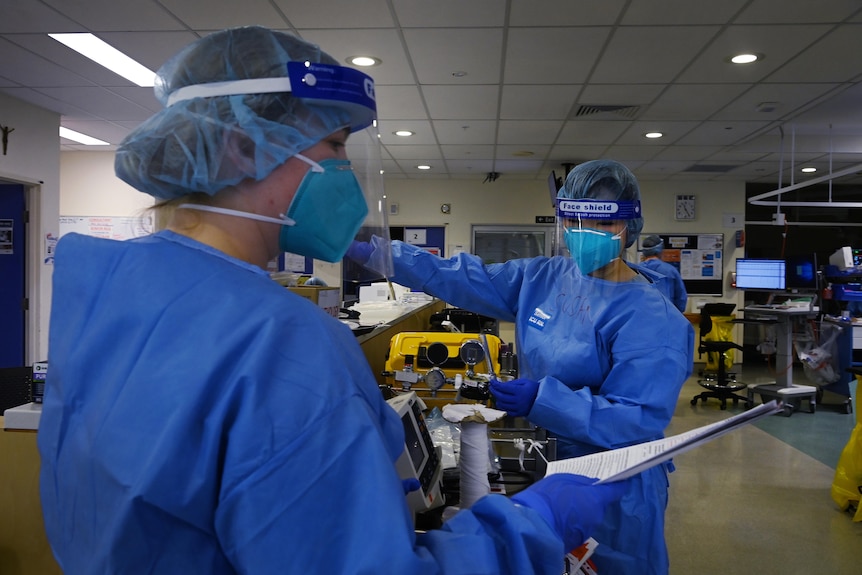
(328,209)
(592,249)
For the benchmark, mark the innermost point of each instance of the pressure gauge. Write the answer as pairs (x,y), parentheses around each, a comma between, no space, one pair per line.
(471,352)
(435,378)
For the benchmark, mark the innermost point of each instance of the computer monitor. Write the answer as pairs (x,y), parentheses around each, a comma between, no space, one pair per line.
(760,274)
(801,272)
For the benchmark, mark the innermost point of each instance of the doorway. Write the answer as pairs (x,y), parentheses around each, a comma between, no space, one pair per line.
(13,297)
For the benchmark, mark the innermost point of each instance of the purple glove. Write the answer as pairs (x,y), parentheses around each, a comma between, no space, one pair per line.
(515,397)
(571,504)
(360,252)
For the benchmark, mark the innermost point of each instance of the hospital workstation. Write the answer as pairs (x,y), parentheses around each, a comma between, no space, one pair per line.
(770,258)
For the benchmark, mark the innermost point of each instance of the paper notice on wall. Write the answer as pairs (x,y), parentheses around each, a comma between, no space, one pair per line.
(110,227)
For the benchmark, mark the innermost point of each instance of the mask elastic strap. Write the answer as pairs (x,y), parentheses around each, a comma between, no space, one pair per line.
(282,219)
(315,167)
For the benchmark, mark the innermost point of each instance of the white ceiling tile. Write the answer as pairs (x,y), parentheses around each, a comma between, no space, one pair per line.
(399,103)
(437,54)
(337,14)
(585,132)
(819,63)
(782,11)
(578,13)
(465,132)
(778,44)
(462,102)
(530,132)
(650,54)
(537,102)
(545,55)
(680,12)
(467,152)
(450,13)
(673,132)
(682,101)
(120,15)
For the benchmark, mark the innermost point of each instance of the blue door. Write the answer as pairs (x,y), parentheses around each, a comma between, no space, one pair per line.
(12,286)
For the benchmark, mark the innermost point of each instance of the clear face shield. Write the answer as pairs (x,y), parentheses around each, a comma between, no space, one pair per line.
(594,232)
(353,91)
(363,151)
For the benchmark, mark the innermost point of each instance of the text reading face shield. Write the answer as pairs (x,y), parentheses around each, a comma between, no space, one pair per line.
(591,231)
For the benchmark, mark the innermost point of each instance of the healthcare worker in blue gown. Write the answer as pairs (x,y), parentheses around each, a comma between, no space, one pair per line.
(202,419)
(602,353)
(674,289)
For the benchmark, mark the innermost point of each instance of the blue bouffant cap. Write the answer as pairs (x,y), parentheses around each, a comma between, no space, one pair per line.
(652,245)
(206,143)
(605,180)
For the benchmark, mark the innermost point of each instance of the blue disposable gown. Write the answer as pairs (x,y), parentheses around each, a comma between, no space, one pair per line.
(673,288)
(199,418)
(610,357)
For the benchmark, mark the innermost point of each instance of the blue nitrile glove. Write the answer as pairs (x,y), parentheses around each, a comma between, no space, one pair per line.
(360,252)
(515,397)
(410,485)
(571,504)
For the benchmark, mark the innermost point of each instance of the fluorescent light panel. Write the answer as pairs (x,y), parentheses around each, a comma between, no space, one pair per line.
(81,138)
(106,55)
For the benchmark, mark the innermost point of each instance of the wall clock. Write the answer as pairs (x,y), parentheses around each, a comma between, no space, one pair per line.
(684,207)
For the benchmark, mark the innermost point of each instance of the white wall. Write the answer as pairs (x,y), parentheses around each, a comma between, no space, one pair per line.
(33,159)
(90,188)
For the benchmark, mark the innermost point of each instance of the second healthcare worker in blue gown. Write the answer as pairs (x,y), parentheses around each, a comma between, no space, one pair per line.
(602,353)
(674,289)
(201,419)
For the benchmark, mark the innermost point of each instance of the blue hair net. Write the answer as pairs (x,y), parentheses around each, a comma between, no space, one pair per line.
(652,245)
(206,144)
(604,180)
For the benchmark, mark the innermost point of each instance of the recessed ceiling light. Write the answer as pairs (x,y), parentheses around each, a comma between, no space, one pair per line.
(403,133)
(364,61)
(653,135)
(106,55)
(523,154)
(423,167)
(809,170)
(745,58)
(81,138)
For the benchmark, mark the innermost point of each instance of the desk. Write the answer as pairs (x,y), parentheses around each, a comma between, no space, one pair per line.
(784,389)
(783,337)
(24,547)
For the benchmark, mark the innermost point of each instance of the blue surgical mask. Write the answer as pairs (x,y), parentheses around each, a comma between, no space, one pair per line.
(327,210)
(592,249)
(324,216)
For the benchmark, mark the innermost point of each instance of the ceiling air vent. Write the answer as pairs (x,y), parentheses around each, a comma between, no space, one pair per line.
(711,168)
(594,109)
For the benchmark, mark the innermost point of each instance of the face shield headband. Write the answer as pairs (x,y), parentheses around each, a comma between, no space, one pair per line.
(336,86)
(590,247)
